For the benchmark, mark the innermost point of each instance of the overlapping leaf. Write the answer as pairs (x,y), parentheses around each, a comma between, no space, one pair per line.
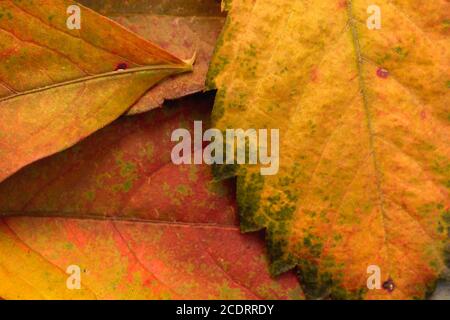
(170,231)
(58,85)
(184,29)
(364,124)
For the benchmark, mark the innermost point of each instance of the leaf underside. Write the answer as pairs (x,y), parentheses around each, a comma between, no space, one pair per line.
(364,119)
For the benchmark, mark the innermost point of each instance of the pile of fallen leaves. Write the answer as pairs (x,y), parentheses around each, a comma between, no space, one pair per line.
(86,174)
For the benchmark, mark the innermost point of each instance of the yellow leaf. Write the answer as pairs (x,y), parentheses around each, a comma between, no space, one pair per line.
(364,119)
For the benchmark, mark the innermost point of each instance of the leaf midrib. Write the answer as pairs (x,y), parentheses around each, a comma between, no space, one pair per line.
(368,114)
(112,74)
(108,218)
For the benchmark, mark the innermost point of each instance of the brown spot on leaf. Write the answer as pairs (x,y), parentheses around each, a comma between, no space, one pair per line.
(389,285)
(121,66)
(382,73)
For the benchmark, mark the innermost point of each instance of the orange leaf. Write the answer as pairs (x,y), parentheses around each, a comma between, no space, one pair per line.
(58,85)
